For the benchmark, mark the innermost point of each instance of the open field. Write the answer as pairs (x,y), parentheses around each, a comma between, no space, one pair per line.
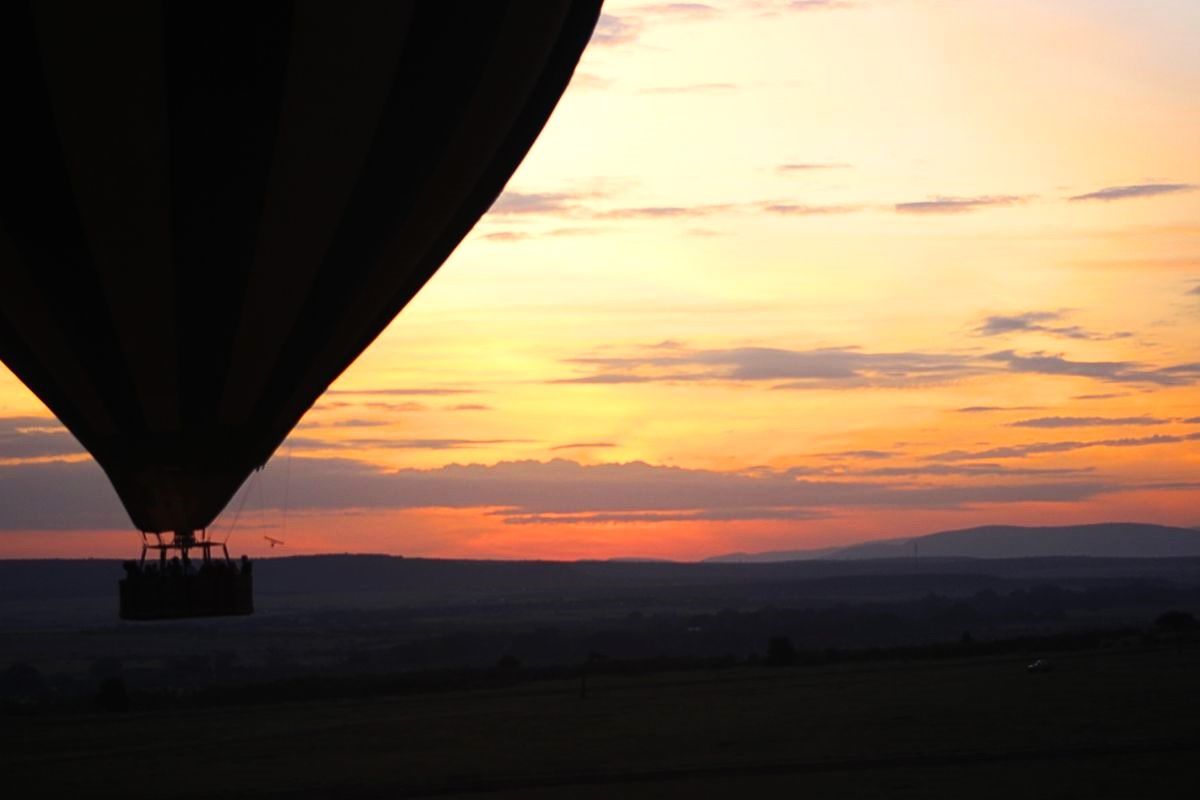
(1102,724)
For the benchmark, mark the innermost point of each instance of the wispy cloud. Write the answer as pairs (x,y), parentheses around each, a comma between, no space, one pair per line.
(956,205)
(802,210)
(651,517)
(787,369)
(1087,422)
(46,495)
(612,30)
(35,437)
(386,443)
(803,167)
(583,445)
(677,10)
(596,205)
(587,80)
(852,367)
(968,470)
(1036,322)
(1111,371)
(1040,448)
(989,409)
(869,455)
(511,203)
(1110,193)
(613,377)
(402,391)
(665,212)
(691,88)
(351,423)
(558,487)
(801,5)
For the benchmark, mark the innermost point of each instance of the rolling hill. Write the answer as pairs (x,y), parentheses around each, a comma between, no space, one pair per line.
(1102,540)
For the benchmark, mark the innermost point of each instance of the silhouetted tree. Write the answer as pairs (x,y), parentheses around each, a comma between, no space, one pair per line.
(1176,621)
(780,652)
(508,663)
(112,695)
(1178,625)
(106,667)
(22,683)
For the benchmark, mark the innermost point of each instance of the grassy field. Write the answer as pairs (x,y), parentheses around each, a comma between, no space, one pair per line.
(1102,724)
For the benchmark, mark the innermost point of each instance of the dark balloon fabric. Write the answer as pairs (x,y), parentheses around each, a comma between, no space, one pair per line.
(210,209)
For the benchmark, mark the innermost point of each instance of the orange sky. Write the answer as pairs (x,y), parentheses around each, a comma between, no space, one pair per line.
(775,276)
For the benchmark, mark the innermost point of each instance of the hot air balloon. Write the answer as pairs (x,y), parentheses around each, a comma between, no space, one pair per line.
(211,209)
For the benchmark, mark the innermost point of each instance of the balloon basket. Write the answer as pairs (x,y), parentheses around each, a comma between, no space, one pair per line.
(179,587)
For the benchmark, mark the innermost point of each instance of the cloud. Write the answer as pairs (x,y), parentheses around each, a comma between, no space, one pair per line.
(383,443)
(580,205)
(579,445)
(1001,324)
(561,486)
(1103,396)
(969,470)
(352,423)
(852,367)
(677,10)
(988,409)
(1110,193)
(586,80)
(418,392)
(788,369)
(1086,422)
(801,210)
(35,437)
(1040,448)
(612,30)
(811,5)
(76,495)
(872,455)
(664,212)
(690,88)
(374,405)
(799,168)
(58,495)
(1192,421)
(1111,371)
(521,236)
(508,236)
(511,203)
(610,378)
(469,407)
(956,205)
(627,517)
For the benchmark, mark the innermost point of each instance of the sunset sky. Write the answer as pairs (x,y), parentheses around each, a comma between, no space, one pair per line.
(775,276)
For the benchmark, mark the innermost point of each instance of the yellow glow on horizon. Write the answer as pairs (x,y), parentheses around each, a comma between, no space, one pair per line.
(752,178)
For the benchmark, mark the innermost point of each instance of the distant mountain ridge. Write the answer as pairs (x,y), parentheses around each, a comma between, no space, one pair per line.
(1100,540)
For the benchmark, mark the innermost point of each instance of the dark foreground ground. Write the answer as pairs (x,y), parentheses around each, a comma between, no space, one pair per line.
(1112,723)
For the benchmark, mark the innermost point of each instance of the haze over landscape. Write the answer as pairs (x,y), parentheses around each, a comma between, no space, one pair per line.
(776,276)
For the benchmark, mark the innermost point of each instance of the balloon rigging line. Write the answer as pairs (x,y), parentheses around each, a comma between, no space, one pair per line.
(287,481)
(241,505)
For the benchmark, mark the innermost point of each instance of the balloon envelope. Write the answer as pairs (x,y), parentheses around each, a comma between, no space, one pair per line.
(210,209)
